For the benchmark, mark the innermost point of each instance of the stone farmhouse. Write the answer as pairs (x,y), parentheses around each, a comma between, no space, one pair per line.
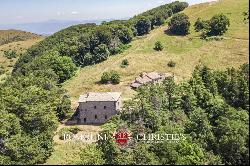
(152,77)
(98,108)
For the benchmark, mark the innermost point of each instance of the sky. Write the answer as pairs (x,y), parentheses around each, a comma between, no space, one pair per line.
(29,11)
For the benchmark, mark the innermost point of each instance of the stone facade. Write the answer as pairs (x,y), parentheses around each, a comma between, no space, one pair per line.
(98,108)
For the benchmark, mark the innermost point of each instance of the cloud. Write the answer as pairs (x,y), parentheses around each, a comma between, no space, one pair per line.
(74,12)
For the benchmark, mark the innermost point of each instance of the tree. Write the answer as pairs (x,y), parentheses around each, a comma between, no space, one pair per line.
(143,26)
(218,25)
(179,24)
(200,129)
(63,66)
(200,25)
(158,46)
(64,108)
(170,88)
(184,153)
(91,155)
(178,6)
(100,53)
(158,19)
(233,137)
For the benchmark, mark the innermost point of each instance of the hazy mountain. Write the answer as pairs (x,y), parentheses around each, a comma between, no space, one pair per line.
(47,27)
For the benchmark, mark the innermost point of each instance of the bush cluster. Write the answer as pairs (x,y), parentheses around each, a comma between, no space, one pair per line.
(110,77)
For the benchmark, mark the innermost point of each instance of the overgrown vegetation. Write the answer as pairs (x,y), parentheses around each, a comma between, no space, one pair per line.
(210,109)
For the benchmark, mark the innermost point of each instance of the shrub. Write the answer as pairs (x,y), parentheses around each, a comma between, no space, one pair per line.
(179,24)
(158,46)
(115,77)
(171,64)
(110,77)
(125,63)
(105,78)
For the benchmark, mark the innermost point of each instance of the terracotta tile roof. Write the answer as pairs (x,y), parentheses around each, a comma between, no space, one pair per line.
(102,96)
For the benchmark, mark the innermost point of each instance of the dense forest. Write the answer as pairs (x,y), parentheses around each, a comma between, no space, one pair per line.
(211,109)
(32,100)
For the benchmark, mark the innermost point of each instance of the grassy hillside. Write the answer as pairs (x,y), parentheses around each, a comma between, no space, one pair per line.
(187,52)
(8,36)
(19,47)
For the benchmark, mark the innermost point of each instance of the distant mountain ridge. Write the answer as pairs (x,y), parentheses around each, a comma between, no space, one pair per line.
(48,27)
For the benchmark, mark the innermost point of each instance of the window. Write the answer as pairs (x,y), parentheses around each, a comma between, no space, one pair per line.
(84,120)
(105,107)
(95,116)
(106,117)
(94,107)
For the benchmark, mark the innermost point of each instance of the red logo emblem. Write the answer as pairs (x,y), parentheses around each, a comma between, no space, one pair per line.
(122,138)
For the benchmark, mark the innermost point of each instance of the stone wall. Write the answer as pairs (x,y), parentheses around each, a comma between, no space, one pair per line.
(97,112)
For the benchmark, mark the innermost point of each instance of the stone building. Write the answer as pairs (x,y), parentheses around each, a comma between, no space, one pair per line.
(152,77)
(98,108)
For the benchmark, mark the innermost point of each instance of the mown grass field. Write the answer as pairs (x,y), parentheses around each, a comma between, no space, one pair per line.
(187,52)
